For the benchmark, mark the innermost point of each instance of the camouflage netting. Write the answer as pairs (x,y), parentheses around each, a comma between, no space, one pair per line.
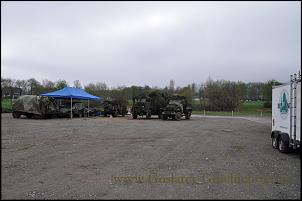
(35,104)
(27,103)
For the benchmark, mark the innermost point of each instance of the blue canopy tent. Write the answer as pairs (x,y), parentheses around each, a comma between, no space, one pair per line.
(72,93)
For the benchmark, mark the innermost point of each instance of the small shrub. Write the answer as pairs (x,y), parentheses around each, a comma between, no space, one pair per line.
(267,104)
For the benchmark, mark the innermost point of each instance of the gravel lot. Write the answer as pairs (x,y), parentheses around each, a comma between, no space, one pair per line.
(121,158)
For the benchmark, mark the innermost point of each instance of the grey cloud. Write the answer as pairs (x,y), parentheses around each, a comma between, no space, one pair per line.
(125,43)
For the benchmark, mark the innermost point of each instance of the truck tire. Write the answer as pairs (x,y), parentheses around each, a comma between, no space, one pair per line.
(275,142)
(177,116)
(188,115)
(283,146)
(105,114)
(164,117)
(148,115)
(114,114)
(134,115)
(16,115)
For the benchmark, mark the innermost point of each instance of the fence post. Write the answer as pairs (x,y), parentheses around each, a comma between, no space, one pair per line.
(261,114)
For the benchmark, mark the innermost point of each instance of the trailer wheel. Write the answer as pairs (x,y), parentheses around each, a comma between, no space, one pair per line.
(275,142)
(16,115)
(283,146)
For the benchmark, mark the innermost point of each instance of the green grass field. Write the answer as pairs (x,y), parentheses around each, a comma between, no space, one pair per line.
(252,108)
(6,104)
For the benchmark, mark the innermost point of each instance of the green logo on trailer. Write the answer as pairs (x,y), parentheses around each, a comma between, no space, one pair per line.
(283,104)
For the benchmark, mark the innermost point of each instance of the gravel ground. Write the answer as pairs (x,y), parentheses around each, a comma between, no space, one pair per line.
(121,158)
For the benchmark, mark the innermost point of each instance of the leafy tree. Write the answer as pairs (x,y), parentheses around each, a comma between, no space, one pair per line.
(34,86)
(60,84)
(267,93)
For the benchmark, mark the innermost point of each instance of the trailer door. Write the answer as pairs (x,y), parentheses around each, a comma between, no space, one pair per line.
(281,109)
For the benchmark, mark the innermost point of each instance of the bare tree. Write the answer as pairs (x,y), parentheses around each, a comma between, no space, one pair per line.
(77,84)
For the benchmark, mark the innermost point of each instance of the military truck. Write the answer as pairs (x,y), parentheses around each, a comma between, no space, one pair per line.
(178,107)
(149,104)
(115,107)
(33,106)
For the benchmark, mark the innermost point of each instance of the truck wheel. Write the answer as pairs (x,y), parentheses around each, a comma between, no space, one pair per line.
(105,114)
(114,114)
(16,115)
(275,142)
(188,115)
(165,117)
(148,115)
(282,146)
(134,116)
(178,116)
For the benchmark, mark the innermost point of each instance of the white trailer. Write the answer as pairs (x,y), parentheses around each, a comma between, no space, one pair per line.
(286,115)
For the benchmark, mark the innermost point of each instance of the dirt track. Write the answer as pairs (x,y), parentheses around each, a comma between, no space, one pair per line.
(109,158)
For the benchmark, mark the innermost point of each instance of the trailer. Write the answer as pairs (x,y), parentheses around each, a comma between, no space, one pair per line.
(286,115)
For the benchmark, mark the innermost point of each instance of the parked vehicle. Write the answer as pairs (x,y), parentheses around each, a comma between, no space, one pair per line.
(33,106)
(149,104)
(178,106)
(115,107)
(91,112)
(286,115)
(78,109)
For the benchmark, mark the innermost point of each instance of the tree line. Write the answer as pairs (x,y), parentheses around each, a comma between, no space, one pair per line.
(214,95)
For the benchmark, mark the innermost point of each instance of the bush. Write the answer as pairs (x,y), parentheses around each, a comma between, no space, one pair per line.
(267,104)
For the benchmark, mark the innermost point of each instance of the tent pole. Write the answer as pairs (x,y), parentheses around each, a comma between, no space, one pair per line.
(88,107)
(71,108)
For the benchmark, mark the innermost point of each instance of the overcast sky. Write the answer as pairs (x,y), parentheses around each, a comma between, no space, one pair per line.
(149,43)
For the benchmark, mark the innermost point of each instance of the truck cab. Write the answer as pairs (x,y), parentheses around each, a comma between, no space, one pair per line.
(141,106)
(178,106)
